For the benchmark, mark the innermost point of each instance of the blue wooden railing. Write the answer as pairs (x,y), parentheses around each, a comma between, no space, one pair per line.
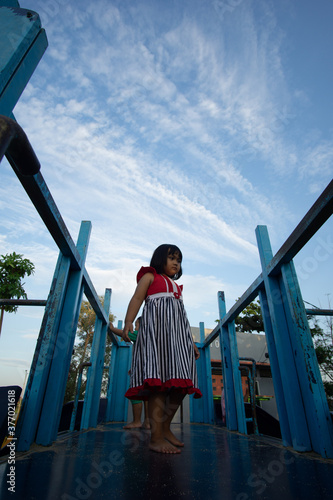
(304,415)
(302,406)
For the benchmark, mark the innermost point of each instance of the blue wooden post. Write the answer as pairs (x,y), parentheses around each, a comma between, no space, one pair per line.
(22,44)
(119,384)
(111,384)
(311,385)
(275,369)
(117,407)
(77,395)
(226,359)
(237,379)
(207,389)
(202,410)
(293,398)
(95,372)
(55,391)
(45,351)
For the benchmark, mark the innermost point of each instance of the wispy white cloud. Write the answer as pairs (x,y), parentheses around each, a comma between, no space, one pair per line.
(155,134)
(318,159)
(14,362)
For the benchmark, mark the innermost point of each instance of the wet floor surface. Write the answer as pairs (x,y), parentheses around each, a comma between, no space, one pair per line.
(111,463)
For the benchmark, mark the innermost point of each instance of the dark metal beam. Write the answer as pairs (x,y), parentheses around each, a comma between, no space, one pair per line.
(17,148)
(22,302)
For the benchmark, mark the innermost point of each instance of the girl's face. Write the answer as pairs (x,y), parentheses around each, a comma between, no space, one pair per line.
(172,265)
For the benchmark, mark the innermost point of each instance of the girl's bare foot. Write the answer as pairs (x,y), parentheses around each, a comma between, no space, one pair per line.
(163,446)
(133,425)
(172,438)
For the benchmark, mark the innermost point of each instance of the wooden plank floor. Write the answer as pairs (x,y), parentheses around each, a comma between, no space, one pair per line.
(112,463)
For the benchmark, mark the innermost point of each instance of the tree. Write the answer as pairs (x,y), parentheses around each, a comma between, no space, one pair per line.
(82,350)
(323,344)
(250,319)
(13,268)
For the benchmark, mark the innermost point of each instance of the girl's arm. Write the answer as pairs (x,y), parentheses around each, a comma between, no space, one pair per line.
(196,351)
(135,303)
(114,330)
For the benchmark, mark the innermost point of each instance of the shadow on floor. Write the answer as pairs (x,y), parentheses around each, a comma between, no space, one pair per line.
(109,462)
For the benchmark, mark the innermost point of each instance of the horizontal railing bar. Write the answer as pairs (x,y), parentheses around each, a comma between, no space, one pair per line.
(93,297)
(22,302)
(319,312)
(18,150)
(21,156)
(248,296)
(318,214)
(42,199)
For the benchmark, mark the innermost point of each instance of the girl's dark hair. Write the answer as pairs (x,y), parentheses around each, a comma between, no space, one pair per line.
(159,258)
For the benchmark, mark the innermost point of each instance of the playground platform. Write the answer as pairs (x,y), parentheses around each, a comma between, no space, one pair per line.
(113,463)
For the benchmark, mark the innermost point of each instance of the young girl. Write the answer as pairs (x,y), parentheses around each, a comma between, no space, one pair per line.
(163,365)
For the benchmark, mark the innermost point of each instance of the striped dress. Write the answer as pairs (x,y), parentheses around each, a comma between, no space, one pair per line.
(163,355)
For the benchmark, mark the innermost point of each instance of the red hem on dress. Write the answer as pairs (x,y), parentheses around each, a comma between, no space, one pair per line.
(155,385)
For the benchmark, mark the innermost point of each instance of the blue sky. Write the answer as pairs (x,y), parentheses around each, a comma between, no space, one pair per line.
(179,121)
